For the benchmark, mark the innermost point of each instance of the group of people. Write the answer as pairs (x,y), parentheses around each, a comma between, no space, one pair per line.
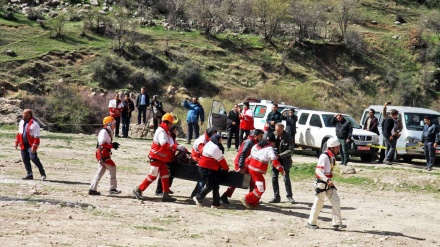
(254,154)
(391,130)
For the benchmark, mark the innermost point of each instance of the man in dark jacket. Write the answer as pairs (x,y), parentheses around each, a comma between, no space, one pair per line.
(390,135)
(291,120)
(284,145)
(195,112)
(344,132)
(273,118)
(234,127)
(372,122)
(126,114)
(429,141)
(158,111)
(142,103)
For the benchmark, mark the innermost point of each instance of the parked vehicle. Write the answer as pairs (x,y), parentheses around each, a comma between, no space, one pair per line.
(261,108)
(314,128)
(412,119)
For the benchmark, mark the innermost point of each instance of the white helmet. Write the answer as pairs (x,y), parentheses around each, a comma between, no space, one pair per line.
(332,142)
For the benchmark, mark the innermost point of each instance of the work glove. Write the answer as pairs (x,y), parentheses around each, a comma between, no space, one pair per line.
(115,145)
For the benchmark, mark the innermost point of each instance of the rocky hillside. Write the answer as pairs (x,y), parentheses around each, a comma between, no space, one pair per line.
(57,50)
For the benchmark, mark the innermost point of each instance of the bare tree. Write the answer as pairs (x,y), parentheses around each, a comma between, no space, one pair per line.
(121,29)
(346,12)
(206,13)
(175,8)
(306,16)
(270,13)
(243,11)
(56,25)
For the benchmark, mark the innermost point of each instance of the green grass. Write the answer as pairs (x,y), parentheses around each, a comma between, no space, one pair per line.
(8,127)
(151,228)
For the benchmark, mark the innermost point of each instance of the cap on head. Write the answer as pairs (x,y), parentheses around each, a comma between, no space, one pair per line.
(271,138)
(108,120)
(332,142)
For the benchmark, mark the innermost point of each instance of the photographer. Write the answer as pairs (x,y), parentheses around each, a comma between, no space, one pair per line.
(195,111)
(158,112)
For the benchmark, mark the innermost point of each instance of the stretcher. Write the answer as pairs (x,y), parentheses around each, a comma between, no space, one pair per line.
(190,172)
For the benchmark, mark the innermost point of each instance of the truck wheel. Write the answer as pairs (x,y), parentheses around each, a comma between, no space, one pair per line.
(368,157)
(407,158)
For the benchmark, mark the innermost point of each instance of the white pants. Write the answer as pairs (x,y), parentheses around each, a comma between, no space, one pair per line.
(333,197)
(100,173)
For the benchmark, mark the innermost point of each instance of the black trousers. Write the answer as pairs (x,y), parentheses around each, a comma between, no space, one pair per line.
(142,110)
(233,131)
(156,122)
(287,183)
(125,125)
(118,123)
(246,132)
(212,183)
(27,156)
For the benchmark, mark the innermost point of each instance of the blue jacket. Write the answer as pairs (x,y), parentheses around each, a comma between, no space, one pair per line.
(195,111)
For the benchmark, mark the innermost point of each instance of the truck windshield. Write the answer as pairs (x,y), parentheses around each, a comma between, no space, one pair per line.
(414,121)
(328,117)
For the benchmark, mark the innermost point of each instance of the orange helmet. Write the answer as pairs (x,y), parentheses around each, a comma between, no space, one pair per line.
(168,117)
(108,120)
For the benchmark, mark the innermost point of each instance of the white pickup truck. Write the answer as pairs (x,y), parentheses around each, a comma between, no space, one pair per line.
(314,128)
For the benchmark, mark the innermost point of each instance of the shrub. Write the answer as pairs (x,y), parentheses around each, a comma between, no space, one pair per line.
(189,75)
(34,13)
(110,72)
(68,109)
(434,55)
(145,78)
(56,25)
(354,42)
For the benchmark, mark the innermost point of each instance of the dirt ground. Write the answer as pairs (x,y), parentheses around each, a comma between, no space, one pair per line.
(59,212)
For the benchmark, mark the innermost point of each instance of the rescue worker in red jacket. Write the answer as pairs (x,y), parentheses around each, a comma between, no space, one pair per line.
(162,151)
(103,156)
(243,153)
(210,163)
(246,122)
(28,138)
(258,162)
(196,153)
(115,108)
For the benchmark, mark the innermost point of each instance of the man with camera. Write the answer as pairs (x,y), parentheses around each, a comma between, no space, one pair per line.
(158,111)
(195,112)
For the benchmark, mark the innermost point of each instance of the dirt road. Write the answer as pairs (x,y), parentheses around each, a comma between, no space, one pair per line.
(393,211)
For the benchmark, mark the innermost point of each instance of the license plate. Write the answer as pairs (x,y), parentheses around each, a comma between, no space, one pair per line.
(366,148)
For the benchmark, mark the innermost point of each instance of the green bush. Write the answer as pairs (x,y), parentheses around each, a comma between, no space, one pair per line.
(34,13)
(68,109)
(111,72)
(145,78)
(189,75)
(354,43)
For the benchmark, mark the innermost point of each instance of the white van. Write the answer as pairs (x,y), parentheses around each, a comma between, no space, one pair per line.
(412,119)
(261,108)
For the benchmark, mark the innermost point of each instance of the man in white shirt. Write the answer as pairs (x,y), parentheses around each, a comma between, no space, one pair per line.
(324,187)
